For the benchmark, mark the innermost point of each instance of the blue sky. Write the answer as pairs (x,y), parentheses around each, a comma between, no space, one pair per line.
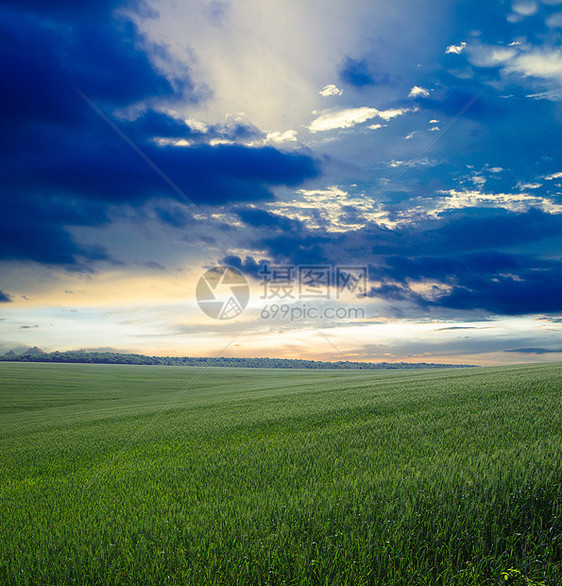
(145,141)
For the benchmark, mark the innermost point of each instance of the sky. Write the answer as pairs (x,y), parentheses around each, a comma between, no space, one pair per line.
(416,143)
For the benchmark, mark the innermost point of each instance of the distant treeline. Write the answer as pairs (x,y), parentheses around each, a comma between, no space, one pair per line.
(36,355)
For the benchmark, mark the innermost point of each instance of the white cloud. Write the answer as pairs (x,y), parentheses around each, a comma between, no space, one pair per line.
(220,141)
(524,186)
(197,125)
(554,20)
(332,190)
(182,142)
(456,49)
(554,176)
(434,121)
(377,126)
(278,137)
(491,56)
(525,7)
(552,95)
(423,162)
(351,117)
(517,202)
(241,56)
(418,91)
(327,209)
(330,90)
(410,136)
(392,113)
(514,18)
(434,129)
(541,63)
(478,180)
(273,138)
(495,169)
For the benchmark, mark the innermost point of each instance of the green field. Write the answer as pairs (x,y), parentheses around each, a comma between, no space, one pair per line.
(149,474)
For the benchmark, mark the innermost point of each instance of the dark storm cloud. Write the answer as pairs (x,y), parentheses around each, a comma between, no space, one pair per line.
(261,218)
(465,231)
(68,8)
(249,266)
(443,267)
(534,351)
(481,232)
(496,282)
(46,55)
(359,73)
(158,124)
(100,166)
(491,280)
(307,248)
(173,214)
(62,164)
(467,255)
(533,291)
(5,298)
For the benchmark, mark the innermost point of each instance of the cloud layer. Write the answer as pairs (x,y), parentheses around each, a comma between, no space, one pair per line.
(143,140)
(63,164)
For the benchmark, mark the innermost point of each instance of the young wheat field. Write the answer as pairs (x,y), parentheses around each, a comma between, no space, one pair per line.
(178,475)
